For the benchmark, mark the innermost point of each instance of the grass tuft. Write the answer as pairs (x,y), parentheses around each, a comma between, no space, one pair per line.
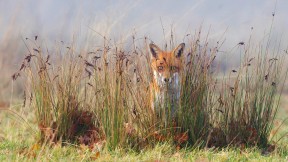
(101,98)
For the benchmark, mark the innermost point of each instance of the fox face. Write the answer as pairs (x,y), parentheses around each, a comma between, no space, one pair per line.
(166,67)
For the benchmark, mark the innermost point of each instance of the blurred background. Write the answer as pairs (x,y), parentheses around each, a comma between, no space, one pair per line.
(67,21)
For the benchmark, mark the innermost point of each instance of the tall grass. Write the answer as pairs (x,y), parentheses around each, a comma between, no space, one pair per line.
(106,91)
(249,100)
(197,91)
(56,92)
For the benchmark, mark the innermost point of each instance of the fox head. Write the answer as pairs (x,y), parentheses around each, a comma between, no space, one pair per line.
(166,65)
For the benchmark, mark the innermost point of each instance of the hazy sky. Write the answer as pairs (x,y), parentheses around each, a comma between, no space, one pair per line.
(67,20)
(56,20)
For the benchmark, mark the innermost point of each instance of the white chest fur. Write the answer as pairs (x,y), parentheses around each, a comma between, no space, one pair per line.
(168,95)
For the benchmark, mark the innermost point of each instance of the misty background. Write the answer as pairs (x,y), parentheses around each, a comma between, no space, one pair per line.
(54,21)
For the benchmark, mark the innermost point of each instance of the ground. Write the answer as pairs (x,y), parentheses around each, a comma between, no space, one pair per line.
(17,143)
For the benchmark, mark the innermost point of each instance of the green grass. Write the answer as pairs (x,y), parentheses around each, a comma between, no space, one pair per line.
(17,149)
(17,140)
(79,101)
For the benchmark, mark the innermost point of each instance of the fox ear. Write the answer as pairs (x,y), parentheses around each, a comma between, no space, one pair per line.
(178,51)
(154,50)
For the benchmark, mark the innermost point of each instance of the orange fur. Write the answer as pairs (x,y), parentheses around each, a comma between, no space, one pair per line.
(166,67)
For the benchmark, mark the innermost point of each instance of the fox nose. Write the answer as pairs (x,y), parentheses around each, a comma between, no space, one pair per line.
(166,79)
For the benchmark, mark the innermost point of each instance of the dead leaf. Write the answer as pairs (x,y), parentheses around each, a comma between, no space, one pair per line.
(181,137)
(158,136)
(35,147)
(95,156)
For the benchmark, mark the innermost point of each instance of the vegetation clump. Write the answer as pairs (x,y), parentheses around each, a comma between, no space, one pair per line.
(102,96)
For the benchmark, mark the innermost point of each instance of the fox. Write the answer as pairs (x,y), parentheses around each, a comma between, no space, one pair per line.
(165,85)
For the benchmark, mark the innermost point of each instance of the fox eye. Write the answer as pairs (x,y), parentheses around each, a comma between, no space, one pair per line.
(173,68)
(160,68)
